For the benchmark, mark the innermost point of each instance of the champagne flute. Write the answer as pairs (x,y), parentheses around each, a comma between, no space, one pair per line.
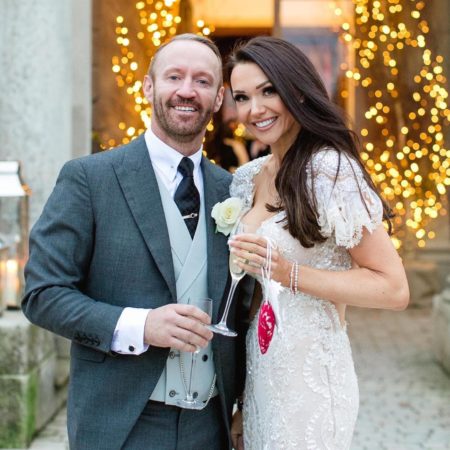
(237,273)
(189,402)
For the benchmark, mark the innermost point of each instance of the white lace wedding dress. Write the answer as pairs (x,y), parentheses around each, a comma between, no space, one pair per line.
(303,393)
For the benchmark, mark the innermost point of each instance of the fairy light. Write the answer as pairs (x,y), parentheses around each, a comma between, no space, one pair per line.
(158,21)
(406,112)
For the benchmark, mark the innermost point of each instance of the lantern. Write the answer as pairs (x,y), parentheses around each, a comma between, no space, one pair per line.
(14,196)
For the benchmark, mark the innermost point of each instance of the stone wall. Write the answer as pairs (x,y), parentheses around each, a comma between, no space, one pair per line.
(30,389)
(45,120)
(441,326)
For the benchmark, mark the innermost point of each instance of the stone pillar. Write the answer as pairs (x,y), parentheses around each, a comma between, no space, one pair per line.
(81,77)
(45,120)
(441,326)
(29,395)
(45,88)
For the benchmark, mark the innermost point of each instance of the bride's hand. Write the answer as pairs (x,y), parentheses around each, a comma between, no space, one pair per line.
(250,251)
(237,431)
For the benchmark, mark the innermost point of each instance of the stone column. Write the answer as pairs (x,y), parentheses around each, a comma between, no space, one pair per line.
(441,326)
(81,70)
(45,103)
(45,120)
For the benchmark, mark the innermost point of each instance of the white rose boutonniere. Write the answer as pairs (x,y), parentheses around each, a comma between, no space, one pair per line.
(226,214)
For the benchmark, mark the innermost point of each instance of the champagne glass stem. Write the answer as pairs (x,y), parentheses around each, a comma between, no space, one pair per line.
(223,321)
(193,362)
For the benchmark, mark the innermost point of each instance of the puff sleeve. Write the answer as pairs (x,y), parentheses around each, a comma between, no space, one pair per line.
(345,202)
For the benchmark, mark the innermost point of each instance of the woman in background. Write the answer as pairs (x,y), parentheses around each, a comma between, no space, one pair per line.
(221,145)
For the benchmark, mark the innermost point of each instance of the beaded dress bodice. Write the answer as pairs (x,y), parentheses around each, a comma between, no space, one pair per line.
(303,393)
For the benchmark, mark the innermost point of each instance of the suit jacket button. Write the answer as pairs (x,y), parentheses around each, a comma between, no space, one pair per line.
(172,393)
(205,358)
(131,348)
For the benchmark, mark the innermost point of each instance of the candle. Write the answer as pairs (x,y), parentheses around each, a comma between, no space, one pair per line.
(11,285)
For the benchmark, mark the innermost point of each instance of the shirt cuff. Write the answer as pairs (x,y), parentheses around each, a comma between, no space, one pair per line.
(128,336)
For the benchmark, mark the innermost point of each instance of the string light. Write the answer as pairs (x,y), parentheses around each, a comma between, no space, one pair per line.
(406,112)
(159,20)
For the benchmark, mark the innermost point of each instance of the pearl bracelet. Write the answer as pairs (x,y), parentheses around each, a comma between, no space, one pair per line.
(293,278)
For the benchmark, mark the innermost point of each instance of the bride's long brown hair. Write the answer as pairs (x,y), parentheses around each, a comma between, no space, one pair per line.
(301,89)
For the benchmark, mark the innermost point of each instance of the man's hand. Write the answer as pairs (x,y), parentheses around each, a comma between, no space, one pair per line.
(178,326)
(237,432)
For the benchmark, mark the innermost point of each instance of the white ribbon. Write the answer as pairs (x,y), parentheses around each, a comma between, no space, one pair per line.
(271,288)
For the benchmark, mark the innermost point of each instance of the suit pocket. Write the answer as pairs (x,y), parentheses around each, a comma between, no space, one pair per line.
(87,354)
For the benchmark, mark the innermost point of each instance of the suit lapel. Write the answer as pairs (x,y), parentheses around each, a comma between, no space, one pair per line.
(215,190)
(138,181)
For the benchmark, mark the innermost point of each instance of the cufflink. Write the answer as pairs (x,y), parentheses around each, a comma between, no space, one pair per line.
(131,348)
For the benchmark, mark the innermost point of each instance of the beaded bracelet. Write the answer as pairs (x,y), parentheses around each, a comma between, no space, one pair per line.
(293,278)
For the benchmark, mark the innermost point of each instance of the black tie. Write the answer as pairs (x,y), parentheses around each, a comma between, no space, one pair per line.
(187,197)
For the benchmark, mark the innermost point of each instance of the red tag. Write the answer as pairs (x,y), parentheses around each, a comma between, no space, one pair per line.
(266,326)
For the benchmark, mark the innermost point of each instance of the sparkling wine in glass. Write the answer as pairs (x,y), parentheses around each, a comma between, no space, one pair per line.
(237,273)
(189,402)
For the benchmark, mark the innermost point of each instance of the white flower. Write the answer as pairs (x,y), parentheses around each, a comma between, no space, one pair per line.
(226,214)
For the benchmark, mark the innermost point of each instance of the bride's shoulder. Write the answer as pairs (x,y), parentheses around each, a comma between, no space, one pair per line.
(250,168)
(247,171)
(243,176)
(330,162)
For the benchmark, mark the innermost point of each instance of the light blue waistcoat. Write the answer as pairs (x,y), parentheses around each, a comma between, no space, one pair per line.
(190,259)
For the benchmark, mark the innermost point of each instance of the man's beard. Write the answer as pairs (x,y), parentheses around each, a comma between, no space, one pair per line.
(176,128)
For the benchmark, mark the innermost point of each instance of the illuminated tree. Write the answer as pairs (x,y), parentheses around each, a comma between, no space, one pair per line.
(401,95)
(138,38)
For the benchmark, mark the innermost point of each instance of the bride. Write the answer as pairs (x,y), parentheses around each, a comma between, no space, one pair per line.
(314,202)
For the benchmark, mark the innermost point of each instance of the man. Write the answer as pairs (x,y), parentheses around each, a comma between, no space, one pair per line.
(117,255)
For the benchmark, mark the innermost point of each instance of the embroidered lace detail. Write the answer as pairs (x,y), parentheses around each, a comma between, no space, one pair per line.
(242,185)
(345,202)
(303,393)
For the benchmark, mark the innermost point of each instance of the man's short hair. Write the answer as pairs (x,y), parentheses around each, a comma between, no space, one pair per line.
(187,37)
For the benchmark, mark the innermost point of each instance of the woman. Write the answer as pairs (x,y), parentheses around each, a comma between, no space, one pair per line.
(318,207)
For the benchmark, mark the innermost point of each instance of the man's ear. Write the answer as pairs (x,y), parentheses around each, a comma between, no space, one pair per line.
(148,88)
(219,99)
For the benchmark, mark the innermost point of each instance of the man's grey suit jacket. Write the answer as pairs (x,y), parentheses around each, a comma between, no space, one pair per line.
(101,244)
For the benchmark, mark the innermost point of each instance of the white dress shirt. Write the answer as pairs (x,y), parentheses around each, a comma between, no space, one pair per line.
(128,336)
